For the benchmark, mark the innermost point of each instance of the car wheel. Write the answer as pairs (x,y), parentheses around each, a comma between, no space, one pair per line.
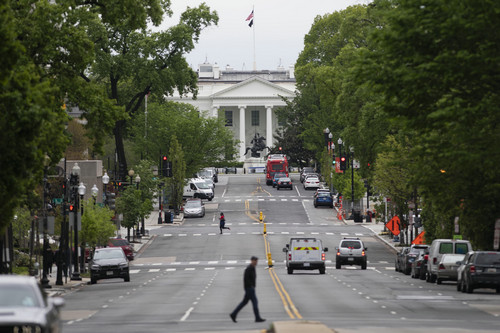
(331,206)
(469,289)
(462,286)
(459,285)
(338,265)
(427,277)
(210,199)
(363,265)
(290,270)
(322,270)
(438,281)
(432,278)
(422,276)
(93,280)
(127,278)
(278,188)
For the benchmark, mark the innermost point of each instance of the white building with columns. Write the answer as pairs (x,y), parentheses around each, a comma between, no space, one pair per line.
(247,100)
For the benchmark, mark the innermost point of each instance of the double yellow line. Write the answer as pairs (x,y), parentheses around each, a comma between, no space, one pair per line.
(290,308)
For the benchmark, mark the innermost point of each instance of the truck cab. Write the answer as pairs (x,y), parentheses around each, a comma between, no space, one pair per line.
(305,254)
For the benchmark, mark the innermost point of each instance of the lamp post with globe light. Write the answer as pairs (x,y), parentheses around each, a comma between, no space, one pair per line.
(139,232)
(76,191)
(105,182)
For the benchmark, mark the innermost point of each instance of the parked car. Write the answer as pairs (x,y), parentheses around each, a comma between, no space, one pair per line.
(440,247)
(277,176)
(400,258)
(311,182)
(194,207)
(109,263)
(306,254)
(351,251)
(479,269)
(447,268)
(304,172)
(124,245)
(419,267)
(323,199)
(284,182)
(415,251)
(25,307)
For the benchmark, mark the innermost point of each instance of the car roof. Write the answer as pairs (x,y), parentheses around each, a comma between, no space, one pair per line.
(24,279)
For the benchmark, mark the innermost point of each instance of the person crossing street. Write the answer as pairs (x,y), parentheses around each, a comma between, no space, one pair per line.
(249,278)
(222,222)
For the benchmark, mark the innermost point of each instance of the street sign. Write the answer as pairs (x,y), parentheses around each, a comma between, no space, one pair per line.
(496,237)
(394,225)
(420,239)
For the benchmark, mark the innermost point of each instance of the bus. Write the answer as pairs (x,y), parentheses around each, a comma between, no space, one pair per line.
(275,163)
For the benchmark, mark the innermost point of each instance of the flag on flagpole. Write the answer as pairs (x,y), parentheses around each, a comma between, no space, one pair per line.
(250,18)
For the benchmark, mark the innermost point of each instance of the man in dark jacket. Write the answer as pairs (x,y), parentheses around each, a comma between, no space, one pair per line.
(249,283)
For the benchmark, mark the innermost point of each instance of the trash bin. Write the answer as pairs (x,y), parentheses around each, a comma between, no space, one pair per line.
(357,216)
(169,217)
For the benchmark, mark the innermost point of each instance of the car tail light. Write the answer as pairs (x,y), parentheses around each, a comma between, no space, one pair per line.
(441,266)
(426,257)
(472,269)
(289,256)
(419,263)
(363,253)
(434,260)
(323,256)
(338,253)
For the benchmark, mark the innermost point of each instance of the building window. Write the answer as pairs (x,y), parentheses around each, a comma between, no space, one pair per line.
(255,118)
(229,118)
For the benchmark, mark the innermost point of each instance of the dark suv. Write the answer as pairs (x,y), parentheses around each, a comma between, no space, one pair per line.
(351,251)
(479,269)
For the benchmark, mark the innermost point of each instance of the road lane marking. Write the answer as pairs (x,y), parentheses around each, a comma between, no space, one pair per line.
(186,315)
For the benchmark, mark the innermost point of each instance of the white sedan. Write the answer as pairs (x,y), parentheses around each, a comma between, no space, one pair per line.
(311,182)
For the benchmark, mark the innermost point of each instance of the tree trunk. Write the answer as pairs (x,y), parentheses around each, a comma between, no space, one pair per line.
(120,150)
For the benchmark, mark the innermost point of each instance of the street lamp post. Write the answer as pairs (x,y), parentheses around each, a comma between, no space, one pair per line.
(105,181)
(352,181)
(45,280)
(339,142)
(137,182)
(94,190)
(75,171)
(81,192)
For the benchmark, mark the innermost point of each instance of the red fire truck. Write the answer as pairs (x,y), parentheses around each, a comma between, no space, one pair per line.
(275,163)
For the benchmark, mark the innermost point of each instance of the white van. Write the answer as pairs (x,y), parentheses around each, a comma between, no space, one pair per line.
(440,247)
(305,253)
(198,188)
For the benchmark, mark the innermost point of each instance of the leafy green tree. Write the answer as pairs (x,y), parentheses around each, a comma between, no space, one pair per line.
(175,184)
(129,204)
(31,119)
(204,140)
(435,64)
(97,226)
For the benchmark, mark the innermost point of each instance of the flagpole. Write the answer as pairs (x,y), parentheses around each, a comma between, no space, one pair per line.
(253,27)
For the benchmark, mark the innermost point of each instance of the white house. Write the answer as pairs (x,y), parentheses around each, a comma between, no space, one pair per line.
(247,100)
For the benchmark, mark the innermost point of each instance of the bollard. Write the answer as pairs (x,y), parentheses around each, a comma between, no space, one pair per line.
(265,232)
(260,217)
(269,260)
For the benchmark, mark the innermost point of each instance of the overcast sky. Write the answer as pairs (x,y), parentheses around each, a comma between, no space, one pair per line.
(280,27)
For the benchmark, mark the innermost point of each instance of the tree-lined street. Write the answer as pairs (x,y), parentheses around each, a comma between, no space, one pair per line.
(189,278)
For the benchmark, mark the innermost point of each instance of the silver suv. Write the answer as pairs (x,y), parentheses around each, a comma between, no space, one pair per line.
(351,251)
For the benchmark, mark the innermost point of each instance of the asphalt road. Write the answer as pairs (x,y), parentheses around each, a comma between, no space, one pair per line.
(189,278)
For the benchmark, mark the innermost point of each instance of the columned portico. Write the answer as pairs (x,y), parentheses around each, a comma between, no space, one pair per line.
(242,132)
(269,127)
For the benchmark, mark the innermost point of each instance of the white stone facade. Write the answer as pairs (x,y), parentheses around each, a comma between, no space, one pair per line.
(246,99)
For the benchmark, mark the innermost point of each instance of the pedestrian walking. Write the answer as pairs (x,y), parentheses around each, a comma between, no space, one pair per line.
(249,283)
(222,222)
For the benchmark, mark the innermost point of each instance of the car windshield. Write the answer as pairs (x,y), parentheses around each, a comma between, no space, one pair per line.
(192,204)
(284,179)
(119,242)
(202,185)
(205,174)
(351,244)
(17,295)
(488,258)
(108,254)
(279,175)
(312,179)
(323,194)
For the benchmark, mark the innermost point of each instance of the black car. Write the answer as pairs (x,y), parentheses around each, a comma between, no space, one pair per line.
(419,267)
(400,259)
(479,269)
(284,182)
(411,256)
(25,307)
(109,263)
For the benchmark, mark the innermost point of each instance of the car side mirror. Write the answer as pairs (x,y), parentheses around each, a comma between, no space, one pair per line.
(366,249)
(325,249)
(285,249)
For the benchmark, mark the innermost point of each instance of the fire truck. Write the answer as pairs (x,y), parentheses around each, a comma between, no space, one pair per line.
(275,163)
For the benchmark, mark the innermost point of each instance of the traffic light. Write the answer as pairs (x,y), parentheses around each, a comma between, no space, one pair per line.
(333,161)
(71,208)
(111,199)
(166,167)
(343,163)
